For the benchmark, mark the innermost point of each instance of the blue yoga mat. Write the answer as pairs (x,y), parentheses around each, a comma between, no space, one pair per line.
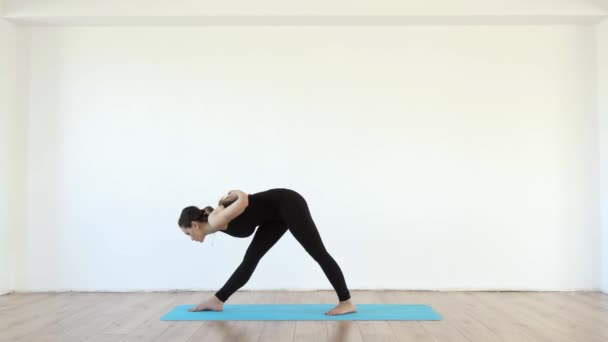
(305,312)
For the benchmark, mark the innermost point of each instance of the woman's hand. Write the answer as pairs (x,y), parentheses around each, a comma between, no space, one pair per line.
(211,304)
(229,198)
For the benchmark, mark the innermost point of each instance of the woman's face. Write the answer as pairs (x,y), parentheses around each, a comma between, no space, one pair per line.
(196,233)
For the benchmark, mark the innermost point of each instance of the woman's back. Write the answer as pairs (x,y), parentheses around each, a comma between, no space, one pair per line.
(263,207)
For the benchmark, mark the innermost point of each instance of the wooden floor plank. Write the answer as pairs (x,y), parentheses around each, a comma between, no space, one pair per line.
(279,331)
(181,331)
(15,300)
(503,325)
(30,320)
(236,330)
(67,326)
(553,305)
(309,330)
(346,331)
(532,324)
(467,316)
(150,326)
(447,329)
(405,330)
(373,330)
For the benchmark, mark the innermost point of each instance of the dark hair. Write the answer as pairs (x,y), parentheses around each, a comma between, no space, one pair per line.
(193,213)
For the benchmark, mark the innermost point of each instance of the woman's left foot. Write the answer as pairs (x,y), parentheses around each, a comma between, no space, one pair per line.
(342,308)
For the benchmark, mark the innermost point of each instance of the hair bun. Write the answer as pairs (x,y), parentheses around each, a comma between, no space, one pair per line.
(206,211)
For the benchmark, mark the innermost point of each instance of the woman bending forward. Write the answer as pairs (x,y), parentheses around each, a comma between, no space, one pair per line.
(273,212)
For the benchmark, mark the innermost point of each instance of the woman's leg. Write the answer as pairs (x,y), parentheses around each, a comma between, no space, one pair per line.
(265,237)
(296,215)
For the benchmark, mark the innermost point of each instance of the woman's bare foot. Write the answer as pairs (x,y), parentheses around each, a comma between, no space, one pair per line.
(342,308)
(211,304)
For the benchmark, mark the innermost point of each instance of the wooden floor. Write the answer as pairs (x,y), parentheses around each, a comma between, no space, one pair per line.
(467,316)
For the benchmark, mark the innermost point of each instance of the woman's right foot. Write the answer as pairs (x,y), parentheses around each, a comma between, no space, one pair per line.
(211,304)
(344,307)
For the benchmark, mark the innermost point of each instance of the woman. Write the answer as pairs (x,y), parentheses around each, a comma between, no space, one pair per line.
(275,211)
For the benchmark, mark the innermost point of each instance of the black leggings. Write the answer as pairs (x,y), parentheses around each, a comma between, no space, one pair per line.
(295,217)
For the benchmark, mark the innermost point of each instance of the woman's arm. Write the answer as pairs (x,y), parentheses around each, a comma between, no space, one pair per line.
(221,216)
(229,198)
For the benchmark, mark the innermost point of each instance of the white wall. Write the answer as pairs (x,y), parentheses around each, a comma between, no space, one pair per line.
(454,157)
(602,42)
(12,159)
(316,12)
(38,8)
